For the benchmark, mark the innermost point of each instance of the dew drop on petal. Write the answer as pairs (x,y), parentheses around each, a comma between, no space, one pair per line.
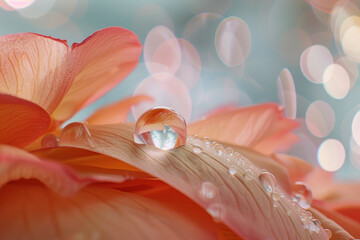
(268,181)
(302,195)
(232,41)
(217,211)
(219,149)
(207,191)
(161,127)
(313,62)
(287,93)
(50,141)
(75,133)
(233,170)
(197,149)
(314,226)
(229,151)
(328,233)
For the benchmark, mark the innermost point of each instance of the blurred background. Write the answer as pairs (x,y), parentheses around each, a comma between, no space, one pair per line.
(202,55)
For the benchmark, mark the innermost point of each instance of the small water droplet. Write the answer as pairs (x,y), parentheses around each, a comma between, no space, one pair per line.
(248,174)
(50,141)
(207,191)
(314,225)
(268,181)
(207,141)
(197,149)
(276,204)
(219,149)
(233,170)
(76,132)
(276,196)
(217,211)
(328,233)
(229,151)
(156,127)
(302,195)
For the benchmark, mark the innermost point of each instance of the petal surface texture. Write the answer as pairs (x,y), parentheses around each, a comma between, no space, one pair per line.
(21,121)
(33,211)
(241,203)
(261,127)
(98,64)
(35,68)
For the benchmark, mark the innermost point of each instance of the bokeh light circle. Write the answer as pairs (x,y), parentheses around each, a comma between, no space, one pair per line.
(336,81)
(355,154)
(355,128)
(350,42)
(351,68)
(161,51)
(320,118)
(331,155)
(166,90)
(19,4)
(287,93)
(313,62)
(232,41)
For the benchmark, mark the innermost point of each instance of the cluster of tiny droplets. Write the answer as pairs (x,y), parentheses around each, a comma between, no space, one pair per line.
(241,166)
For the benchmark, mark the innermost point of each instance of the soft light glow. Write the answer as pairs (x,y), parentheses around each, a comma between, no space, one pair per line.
(313,62)
(167,91)
(287,94)
(162,51)
(350,42)
(19,4)
(336,81)
(320,118)
(232,41)
(355,154)
(351,68)
(331,155)
(355,128)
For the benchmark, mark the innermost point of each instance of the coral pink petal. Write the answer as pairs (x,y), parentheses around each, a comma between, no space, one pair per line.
(21,121)
(296,167)
(17,164)
(333,220)
(260,127)
(116,112)
(33,212)
(349,209)
(236,198)
(35,68)
(98,64)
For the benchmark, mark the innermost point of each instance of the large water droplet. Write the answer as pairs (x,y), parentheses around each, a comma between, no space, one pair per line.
(302,195)
(161,127)
(268,181)
(50,141)
(76,133)
(207,190)
(197,149)
(217,211)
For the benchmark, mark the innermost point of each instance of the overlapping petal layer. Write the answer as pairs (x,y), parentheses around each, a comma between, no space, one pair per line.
(33,211)
(243,205)
(35,68)
(261,127)
(97,64)
(21,121)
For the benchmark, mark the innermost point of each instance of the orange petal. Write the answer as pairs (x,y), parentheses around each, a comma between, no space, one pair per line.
(116,112)
(260,127)
(31,211)
(21,122)
(296,167)
(332,221)
(349,209)
(98,64)
(34,67)
(17,164)
(239,200)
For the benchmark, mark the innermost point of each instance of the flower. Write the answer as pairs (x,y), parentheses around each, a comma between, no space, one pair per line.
(99,184)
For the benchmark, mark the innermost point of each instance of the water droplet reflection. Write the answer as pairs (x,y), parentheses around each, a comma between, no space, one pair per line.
(50,141)
(268,181)
(302,195)
(161,127)
(207,191)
